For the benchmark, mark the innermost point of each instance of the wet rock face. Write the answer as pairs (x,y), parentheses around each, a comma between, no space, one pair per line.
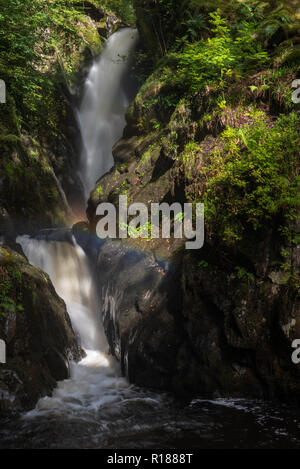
(236,325)
(141,298)
(164,332)
(197,330)
(37,331)
(217,322)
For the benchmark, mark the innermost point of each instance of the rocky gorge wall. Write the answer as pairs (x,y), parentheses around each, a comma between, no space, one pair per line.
(37,332)
(214,322)
(40,188)
(219,321)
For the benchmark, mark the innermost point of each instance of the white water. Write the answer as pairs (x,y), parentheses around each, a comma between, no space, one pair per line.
(100,408)
(101,114)
(95,381)
(68,268)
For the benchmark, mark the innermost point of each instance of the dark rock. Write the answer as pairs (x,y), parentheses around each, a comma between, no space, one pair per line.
(138,293)
(174,326)
(56,234)
(37,331)
(216,322)
(91,10)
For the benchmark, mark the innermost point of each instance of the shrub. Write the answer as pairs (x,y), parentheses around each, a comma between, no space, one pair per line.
(254,178)
(213,60)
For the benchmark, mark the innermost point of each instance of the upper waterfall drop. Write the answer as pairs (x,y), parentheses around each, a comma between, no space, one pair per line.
(102,112)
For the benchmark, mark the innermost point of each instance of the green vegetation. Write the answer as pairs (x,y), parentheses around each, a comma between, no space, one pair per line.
(254,177)
(10,282)
(40,46)
(99,190)
(141,231)
(189,20)
(218,102)
(215,60)
(226,57)
(225,45)
(121,8)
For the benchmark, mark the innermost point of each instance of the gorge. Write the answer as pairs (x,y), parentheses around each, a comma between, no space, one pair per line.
(151,345)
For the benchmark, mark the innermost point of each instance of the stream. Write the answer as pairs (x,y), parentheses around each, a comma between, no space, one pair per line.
(97,407)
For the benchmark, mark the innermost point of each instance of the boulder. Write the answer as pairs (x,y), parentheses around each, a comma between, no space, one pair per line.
(36,329)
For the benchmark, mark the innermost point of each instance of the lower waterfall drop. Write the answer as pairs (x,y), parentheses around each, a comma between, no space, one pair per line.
(95,380)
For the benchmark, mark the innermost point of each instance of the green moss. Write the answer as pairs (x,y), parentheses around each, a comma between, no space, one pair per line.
(99,190)
(10,281)
(253,178)
(121,8)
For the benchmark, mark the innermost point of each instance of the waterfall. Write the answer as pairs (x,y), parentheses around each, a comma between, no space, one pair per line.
(94,381)
(96,407)
(105,99)
(69,270)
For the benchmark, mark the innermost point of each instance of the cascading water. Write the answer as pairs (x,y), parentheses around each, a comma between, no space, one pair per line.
(95,380)
(101,114)
(96,403)
(95,383)
(96,407)
(69,270)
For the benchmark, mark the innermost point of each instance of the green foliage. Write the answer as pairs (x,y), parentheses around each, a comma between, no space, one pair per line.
(212,44)
(214,60)
(242,273)
(99,190)
(42,43)
(189,159)
(121,8)
(203,264)
(281,16)
(195,24)
(37,43)
(10,279)
(254,178)
(141,231)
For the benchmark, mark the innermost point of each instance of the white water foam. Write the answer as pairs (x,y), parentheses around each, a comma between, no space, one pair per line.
(95,381)
(102,112)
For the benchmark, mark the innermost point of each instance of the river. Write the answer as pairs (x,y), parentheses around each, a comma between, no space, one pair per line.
(97,407)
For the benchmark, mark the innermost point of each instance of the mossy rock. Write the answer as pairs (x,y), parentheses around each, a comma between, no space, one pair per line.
(36,328)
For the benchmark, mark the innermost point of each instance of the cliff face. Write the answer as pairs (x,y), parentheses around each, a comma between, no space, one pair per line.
(213,122)
(220,320)
(37,331)
(39,185)
(39,135)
